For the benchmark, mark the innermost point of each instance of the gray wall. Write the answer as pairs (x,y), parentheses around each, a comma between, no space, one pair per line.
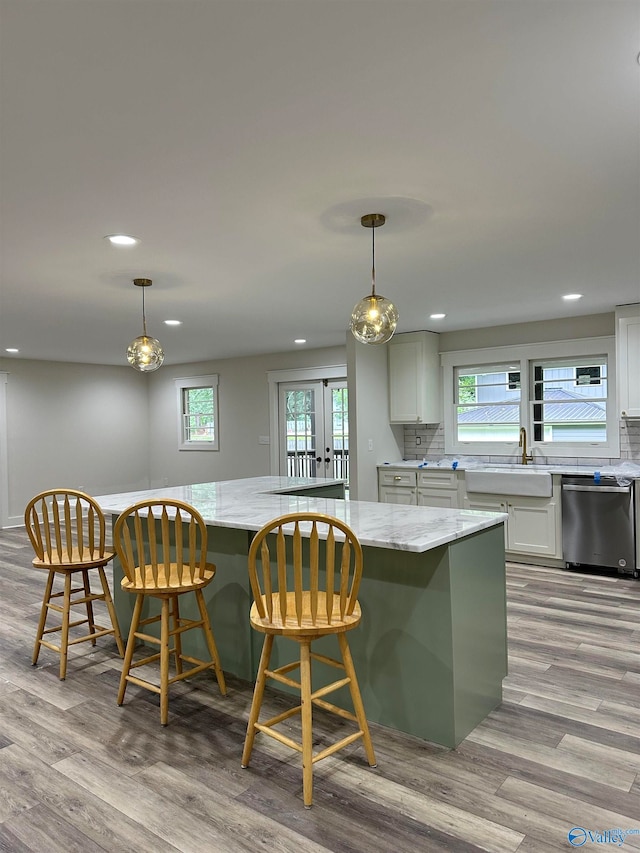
(371,438)
(75,426)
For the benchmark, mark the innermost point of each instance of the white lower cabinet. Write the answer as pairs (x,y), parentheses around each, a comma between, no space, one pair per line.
(438,497)
(533,525)
(487,503)
(397,495)
(438,487)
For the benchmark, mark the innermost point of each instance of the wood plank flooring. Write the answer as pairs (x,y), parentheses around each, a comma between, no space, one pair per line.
(78,773)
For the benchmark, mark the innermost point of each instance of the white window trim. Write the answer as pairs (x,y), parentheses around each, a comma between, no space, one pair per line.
(523,355)
(210,381)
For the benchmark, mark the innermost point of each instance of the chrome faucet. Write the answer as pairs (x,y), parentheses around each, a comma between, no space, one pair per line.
(523,444)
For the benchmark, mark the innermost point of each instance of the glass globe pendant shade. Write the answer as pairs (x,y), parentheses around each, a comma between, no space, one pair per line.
(145,354)
(374,320)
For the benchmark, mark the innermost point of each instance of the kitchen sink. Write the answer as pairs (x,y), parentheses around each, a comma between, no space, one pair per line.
(509,481)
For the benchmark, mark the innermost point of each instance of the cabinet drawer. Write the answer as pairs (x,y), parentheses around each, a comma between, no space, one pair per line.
(395,477)
(438,479)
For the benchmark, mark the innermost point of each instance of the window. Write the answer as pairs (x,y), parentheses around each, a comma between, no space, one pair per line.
(562,393)
(198,413)
(487,403)
(569,400)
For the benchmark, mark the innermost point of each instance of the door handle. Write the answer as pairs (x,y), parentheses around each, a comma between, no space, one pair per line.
(327,459)
(318,458)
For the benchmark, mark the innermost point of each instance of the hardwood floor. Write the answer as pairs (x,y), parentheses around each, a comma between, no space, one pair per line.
(78,773)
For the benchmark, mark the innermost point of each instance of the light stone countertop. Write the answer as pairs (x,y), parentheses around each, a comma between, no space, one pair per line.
(248,504)
(624,468)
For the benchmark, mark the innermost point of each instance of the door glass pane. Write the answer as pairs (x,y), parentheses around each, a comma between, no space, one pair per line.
(340,432)
(300,415)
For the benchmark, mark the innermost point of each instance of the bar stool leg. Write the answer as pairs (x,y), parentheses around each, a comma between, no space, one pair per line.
(177,637)
(356,698)
(112,611)
(89,604)
(164,663)
(307,723)
(44,610)
(211,643)
(64,632)
(131,642)
(258,693)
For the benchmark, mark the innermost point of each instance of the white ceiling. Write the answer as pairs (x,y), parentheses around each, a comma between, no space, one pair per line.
(241,141)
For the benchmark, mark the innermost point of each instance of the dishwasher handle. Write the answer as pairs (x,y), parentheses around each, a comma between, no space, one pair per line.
(566,487)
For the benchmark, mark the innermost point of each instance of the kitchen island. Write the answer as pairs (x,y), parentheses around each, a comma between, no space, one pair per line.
(431,650)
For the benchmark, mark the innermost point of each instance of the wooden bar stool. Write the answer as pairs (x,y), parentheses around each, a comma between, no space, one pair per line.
(304,603)
(67,530)
(162,546)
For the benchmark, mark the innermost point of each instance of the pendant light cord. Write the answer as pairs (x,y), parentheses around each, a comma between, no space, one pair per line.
(373,261)
(144,319)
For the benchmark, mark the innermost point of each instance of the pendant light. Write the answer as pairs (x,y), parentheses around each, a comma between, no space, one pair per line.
(144,353)
(374,318)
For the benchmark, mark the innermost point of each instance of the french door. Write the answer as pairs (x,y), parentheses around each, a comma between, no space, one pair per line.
(313,421)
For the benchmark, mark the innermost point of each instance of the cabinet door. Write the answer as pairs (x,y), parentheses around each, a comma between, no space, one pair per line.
(397,495)
(488,504)
(532,527)
(415,378)
(628,340)
(406,382)
(438,497)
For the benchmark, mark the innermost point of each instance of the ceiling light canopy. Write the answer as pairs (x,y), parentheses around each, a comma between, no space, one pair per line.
(144,353)
(374,318)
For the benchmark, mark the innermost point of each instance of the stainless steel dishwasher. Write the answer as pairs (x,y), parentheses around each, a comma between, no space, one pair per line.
(598,523)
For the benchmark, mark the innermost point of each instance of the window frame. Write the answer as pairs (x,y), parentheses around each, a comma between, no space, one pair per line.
(526,355)
(189,382)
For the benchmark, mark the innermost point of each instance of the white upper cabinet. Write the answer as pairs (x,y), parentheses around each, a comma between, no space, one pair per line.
(415,385)
(628,360)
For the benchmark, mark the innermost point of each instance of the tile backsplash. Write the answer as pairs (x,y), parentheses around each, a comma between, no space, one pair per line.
(428,442)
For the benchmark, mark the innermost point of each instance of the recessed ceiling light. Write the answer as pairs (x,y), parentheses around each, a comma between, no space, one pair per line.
(173,322)
(437,316)
(571,297)
(300,341)
(122,239)
(12,349)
